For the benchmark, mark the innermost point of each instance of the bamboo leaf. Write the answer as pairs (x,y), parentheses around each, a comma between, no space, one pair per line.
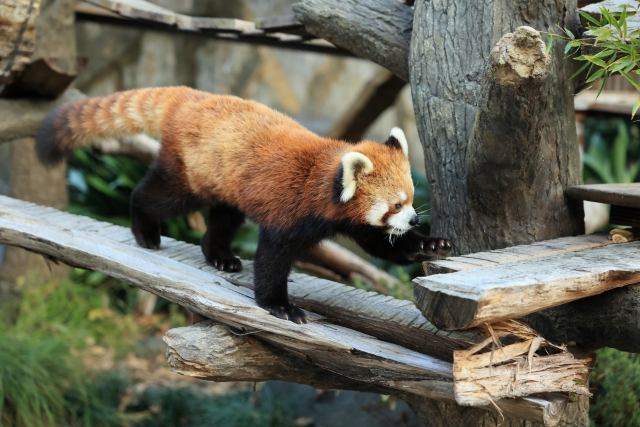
(589,18)
(631,80)
(586,64)
(635,109)
(599,62)
(595,76)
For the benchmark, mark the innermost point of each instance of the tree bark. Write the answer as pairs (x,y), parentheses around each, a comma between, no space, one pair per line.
(379,30)
(492,184)
(212,351)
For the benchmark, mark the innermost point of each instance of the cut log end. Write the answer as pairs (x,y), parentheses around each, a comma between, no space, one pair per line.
(519,58)
(445,311)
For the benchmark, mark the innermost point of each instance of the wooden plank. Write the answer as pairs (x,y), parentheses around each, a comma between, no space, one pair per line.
(332,347)
(137,9)
(283,24)
(614,194)
(516,253)
(215,28)
(339,349)
(506,291)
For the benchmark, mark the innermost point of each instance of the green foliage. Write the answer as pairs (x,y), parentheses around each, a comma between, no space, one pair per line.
(41,385)
(184,407)
(617,48)
(612,152)
(75,314)
(615,383)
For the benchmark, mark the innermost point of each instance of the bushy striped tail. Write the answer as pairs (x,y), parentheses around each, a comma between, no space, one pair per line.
(121,114)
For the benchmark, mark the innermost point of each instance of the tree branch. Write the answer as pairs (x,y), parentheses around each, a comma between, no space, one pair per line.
(377,30)
(212,351)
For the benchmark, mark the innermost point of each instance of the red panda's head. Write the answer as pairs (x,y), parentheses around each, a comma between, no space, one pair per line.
(374,184)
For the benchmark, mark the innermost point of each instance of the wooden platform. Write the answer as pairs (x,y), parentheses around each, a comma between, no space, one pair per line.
(623,198)
(178,273)
(510,283)
(278,31)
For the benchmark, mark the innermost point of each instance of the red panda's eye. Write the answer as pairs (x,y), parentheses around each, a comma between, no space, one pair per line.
(398,206)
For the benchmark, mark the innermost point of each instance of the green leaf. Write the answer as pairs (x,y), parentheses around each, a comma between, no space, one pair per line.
(548,49)
(631,80)
(620,64)
(568,33)
(599,62)
(635,107)
(602,85)
(586,64)
(595,76)
(589,18)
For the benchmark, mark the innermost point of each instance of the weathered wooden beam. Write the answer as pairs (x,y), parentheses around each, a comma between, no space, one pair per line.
(212,28)
(508,291)
(341,350)
(545,248)
(111,249)
(377,30)
(614,194)
(214,352)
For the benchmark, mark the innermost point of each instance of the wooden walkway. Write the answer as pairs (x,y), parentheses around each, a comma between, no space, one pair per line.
(279,31)
(178,273)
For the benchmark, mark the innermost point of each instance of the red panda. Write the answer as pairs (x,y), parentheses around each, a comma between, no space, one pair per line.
(241,159)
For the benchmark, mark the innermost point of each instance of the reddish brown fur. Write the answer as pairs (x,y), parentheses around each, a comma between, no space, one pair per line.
(239,152)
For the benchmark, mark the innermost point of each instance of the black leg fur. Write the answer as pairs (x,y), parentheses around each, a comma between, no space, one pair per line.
(223,222)
(406,249)
(272,265)
(157,197)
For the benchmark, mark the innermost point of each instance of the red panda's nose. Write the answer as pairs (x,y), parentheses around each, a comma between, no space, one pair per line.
(414,220)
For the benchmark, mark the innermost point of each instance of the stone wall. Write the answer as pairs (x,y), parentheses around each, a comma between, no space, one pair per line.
(315,89)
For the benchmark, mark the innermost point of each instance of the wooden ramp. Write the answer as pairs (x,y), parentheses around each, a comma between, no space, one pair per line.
(510,283)
(178,273)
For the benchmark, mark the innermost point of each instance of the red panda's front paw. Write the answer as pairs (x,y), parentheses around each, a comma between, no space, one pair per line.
(430,248)
(287,312)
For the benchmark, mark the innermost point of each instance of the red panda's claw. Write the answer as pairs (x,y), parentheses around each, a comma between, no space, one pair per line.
(289,312)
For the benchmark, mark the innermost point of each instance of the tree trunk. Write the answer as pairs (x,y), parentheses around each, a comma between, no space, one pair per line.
(512,190)
(499,153)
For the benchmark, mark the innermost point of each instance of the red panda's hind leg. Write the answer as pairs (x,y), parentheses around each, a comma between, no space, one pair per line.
(223,222)
(159,196)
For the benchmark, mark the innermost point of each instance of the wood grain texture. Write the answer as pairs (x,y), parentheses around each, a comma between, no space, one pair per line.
(517,253)
(214,352)
(450,47)
(525,150)
(507,291)
(614,194)
(111,249)
(378,30)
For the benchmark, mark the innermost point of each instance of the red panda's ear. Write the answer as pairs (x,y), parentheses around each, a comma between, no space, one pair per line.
(354,166)
(398,140)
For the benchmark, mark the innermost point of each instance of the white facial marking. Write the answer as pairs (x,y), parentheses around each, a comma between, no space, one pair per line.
(399,222)
(397,133)
(353,163)
(403,196)
(375,214)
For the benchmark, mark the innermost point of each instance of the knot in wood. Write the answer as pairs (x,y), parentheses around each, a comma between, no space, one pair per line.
(519,58)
